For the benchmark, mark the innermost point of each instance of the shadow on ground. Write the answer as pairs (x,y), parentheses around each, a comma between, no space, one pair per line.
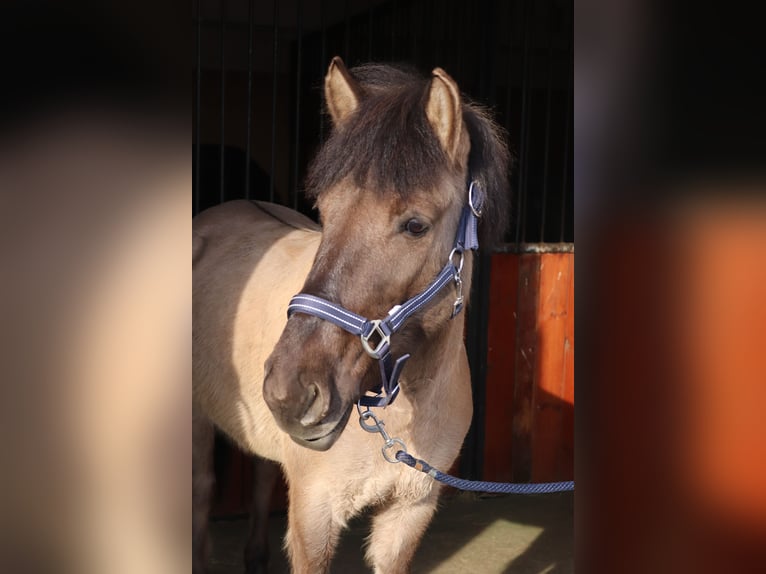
(470,534)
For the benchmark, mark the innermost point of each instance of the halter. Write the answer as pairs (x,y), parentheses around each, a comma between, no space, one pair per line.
(375,334)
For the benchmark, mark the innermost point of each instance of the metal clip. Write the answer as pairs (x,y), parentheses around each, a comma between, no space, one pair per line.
(390,443)
(377,426)
(457,306)
(381,345)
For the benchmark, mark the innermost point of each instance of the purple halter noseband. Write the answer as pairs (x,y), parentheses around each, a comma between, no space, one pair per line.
(376,334)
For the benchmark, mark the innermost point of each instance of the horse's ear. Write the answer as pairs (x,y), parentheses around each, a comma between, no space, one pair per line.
(341,90)
(444,111)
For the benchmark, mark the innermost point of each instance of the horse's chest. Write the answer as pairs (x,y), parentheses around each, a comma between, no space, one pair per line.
(381,486)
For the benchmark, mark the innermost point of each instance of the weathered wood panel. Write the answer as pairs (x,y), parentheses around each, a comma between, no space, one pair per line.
(552,378)
(524,376)
(529,428)
(501,365)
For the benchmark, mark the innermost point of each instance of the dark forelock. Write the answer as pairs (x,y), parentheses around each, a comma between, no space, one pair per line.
(388,144)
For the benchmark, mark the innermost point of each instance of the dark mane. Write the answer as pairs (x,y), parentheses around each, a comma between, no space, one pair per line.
(389,145)
(489,163)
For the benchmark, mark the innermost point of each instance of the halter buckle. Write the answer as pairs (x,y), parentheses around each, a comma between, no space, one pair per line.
(383,343)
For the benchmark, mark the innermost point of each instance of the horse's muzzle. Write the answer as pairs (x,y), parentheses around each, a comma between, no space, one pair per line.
(324,442)
(311,414)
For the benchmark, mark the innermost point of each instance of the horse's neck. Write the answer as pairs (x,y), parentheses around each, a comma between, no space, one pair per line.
(432,368)
(435,404)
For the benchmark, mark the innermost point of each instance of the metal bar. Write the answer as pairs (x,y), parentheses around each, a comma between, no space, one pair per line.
(322,65)
(461,18)
(567,138)
(548,90)
(524,364)
(436,22)
(274,82)
(524,135)
(249,95)
(197,130)
(393,29)
(371,7)
(222,189)
(235,25)
(347,39)
(509,67)
(416,10)
(299,26)
(472,462)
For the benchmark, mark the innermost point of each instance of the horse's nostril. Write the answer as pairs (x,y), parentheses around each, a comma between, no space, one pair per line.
(314,407)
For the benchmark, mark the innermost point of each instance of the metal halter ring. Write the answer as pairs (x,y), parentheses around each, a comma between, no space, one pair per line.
(390,443)
(474,208)
(460,263)
(381,346)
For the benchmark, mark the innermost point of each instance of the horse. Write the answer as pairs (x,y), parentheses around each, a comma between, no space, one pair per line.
(391,184)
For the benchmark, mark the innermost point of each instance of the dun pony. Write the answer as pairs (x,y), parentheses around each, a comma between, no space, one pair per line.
(389,183)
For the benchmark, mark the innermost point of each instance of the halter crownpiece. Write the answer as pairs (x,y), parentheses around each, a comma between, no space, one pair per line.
(375,334)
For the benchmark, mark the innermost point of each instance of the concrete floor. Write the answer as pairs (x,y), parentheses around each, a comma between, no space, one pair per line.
(470,535)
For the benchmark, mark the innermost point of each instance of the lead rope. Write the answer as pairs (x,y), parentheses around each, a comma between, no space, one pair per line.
(378,426)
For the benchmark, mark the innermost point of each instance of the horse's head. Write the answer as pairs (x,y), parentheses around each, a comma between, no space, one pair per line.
(390,183)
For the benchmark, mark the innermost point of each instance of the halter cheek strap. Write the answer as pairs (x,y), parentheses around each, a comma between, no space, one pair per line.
(375,334)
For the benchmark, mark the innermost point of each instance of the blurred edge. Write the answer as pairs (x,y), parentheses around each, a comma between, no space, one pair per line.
(94,204)
(95,197)
(671,293)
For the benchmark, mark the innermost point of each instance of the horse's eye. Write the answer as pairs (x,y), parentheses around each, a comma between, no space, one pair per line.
(415,227)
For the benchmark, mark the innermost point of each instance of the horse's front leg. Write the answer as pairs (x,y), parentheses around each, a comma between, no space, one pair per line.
(265,477)
(396,532)
(312,531)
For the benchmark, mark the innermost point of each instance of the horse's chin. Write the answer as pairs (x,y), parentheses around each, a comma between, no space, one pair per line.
(325,441)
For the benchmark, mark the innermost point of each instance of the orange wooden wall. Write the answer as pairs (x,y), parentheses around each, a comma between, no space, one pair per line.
(529,422)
